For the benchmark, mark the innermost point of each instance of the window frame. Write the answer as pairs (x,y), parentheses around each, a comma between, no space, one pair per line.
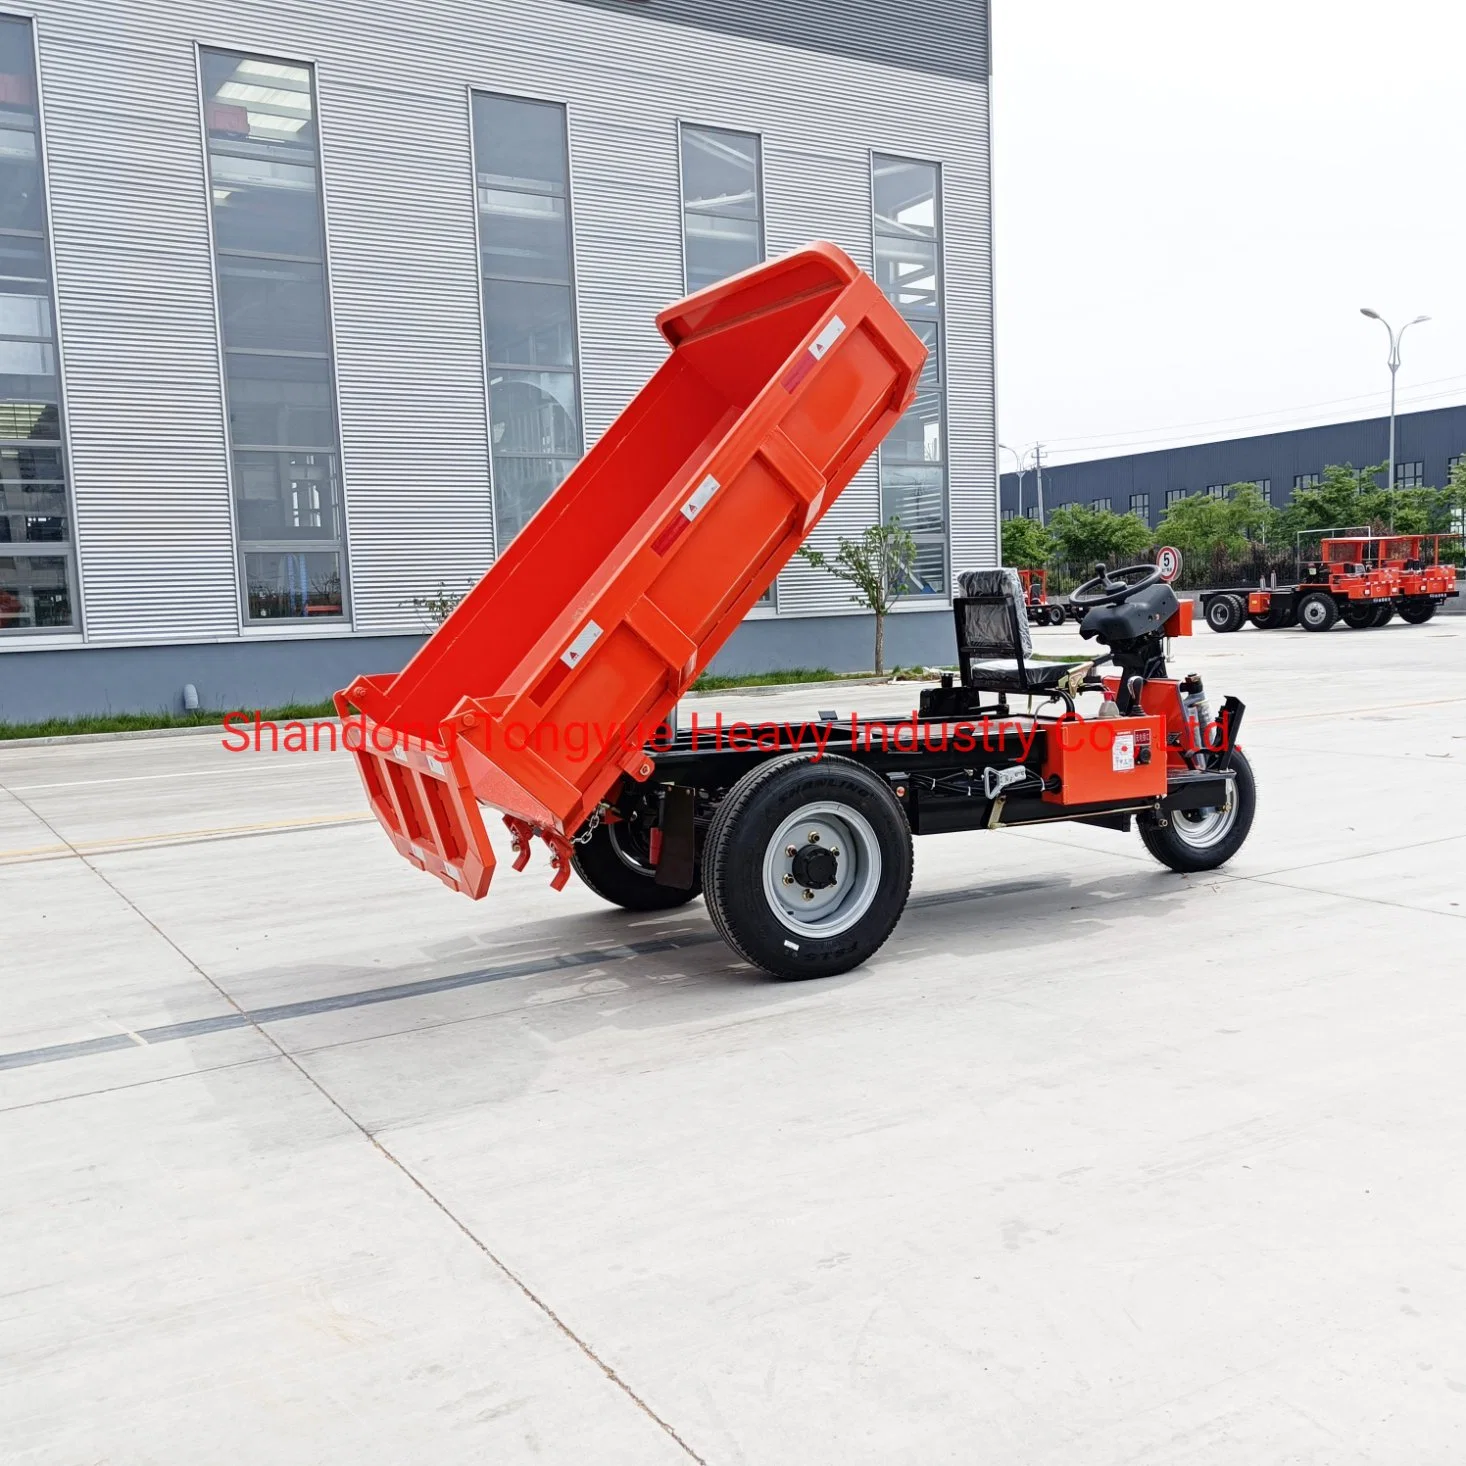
(264,627)
(680,125)
(1143,512)
(936,316)
(575,370)
(1417,477)
(68,550)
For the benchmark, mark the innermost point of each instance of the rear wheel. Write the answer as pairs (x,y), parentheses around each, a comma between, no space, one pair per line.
(616,864)
(1226,613)
(1317,611)
(1383,615)
(1273,619)
(1055,615)
(1417,610)
(1203,839)
(807,866)
(1360,615)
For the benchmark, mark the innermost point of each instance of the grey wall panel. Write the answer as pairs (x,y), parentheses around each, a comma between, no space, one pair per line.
(947,37)
(135,299)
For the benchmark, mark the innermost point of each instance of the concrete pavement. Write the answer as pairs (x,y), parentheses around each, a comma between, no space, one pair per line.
(308,1160)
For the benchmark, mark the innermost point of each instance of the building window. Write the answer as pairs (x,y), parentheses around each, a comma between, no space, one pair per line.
(1100,505)
(722,203)
(1216,491)
(1031,512)
(37,566)
(269,248)
(1140,506)
(1410,475)
(1306,481)
(913,460)
(522,177)
(1009,514)
(1264,486)
(1174,496)
(1454,462)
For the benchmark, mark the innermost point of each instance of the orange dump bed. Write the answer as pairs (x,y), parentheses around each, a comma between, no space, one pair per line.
(537,694)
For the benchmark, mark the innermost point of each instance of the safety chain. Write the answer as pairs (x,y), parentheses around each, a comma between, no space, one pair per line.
(583,838)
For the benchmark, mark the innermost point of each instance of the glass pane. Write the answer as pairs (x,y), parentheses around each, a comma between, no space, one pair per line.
(917,438)
(17,63)
(272,303)
(524,236)
(21,464)
(34,592)
(928,575)
(283,400)
(717,248)
(917,496)
(534,412)
(518,144)
(905,198)
(521,485)
(23,258)
(529,325)
(720,171)
(293,586)
(23,360)
(21,202)
(265,206)
(906,269)
(28,408)
(25,315)
(253,99)
(288,496)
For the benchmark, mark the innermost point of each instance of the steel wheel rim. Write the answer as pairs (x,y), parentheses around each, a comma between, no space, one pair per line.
(1313,613)
(833,909)
(1203,828)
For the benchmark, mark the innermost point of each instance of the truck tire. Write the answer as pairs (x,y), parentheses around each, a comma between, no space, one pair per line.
(1273,619)
(1056,615)
(1198,840)
(1317,611)
(830,905)
(1383,615)
(1417,610)
(1358,615)
(1226,613)
(615,863)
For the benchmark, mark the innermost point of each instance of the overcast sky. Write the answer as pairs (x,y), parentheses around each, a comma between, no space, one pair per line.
(1193,201)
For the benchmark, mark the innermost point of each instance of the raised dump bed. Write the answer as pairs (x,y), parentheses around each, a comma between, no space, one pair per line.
(536,695)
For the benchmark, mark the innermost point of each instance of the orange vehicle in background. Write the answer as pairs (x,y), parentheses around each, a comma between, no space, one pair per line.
(1363,580)
(1040,609)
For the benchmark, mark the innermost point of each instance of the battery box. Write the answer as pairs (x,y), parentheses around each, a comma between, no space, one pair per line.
(1101,759)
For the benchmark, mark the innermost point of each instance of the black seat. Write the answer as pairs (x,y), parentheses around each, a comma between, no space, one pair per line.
(994,642)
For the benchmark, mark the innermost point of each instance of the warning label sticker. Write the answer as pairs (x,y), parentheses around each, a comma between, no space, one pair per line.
(1123,754)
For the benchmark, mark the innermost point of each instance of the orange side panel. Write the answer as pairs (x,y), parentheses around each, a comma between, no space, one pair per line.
(1180,623)
(539,691)
(1100,759)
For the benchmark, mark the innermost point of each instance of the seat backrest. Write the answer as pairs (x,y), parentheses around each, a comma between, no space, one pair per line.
(992,623)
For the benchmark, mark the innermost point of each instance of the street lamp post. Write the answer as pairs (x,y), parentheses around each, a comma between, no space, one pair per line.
(1395,338)
(1018,465)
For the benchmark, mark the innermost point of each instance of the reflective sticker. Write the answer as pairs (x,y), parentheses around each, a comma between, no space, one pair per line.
(453,873)
(705,491)
(436,767)
(1123,758)
(581,645)
(792,946)
(828,337)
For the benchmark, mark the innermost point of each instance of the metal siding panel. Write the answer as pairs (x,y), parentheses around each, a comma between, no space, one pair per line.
(398,182)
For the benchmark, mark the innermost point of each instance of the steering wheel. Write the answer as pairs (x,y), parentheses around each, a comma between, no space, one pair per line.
(1109,588)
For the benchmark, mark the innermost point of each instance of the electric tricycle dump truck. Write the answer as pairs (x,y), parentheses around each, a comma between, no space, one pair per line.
(1362,580)
(1041,610)
(546,694)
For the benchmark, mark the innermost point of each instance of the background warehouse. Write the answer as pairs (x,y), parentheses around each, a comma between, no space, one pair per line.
(307,310)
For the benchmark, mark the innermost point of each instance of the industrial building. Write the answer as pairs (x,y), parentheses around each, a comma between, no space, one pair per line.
(307,310)
(1428,446)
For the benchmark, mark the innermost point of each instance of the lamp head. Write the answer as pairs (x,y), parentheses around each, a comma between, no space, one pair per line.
(1364,310)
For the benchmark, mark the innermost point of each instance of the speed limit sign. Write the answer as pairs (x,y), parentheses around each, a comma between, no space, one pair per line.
(1168,562)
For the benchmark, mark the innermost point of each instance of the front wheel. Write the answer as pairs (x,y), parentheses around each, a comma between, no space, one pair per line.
(1203,839)
(1417,610)
(807,866)
(616,864)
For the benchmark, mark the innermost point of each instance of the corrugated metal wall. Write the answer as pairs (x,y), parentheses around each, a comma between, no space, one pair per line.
(136,294)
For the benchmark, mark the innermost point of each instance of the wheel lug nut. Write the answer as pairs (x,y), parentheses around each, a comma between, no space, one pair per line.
(788,880)
(809,895)
(813,837)
(835,851)
(791,851)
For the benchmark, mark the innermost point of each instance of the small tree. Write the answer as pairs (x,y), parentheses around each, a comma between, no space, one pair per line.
(1204,528)
(878,565)
(1026,544)
(437,608)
